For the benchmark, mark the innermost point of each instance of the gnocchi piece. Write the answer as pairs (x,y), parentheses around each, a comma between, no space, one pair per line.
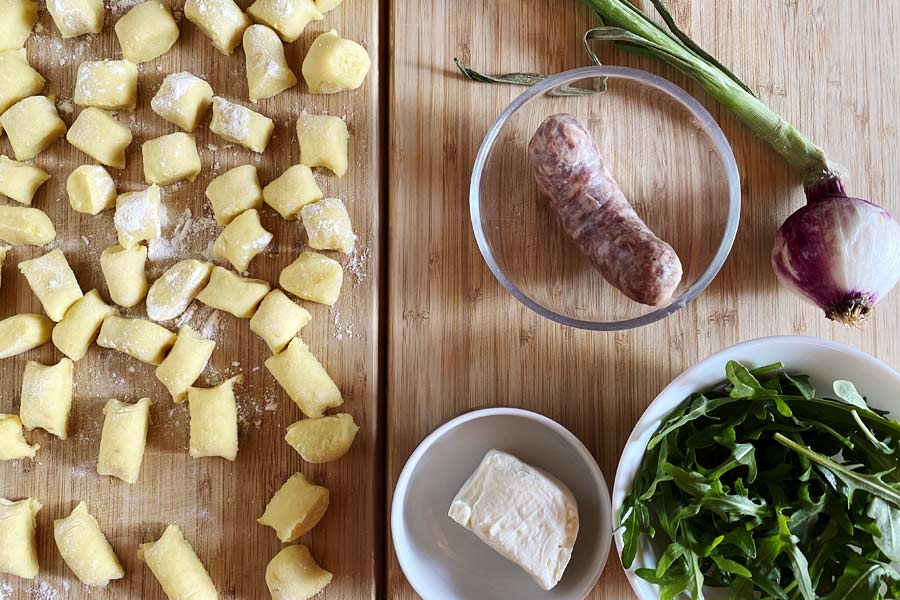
(123,270)
(323,142)
(294,575)
(268,73)
(19,17)
(85,549)
(170,158)
(91,189)
(233,192)
(291,191)
(232,293)
(147,31)
(287,17)
(313,277)
(81,325)
(47,396)
(214,421)
(138,338)
(241,125)
(18,538)
(222,21)
(23,332)
(325,5)
(295,508)
(107,84)
(184,364)
(99,135)
(242,240)
(12,439)
(32,124)
(175,289)
(324,439)
(76,17)
(53,282)
(278,320)
(18,80)
(123,439)
(304,379)
(20,181)
(176,567)
(182,99)
(334,64)
(137,216)
(327,225)
(24,226)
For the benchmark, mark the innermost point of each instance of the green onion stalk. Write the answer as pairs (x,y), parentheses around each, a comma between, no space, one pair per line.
(838,252)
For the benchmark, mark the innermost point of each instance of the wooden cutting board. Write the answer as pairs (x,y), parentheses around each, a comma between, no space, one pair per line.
(215,502)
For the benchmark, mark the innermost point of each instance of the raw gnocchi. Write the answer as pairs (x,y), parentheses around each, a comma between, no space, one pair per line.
(123,270)
(241,125)
(20,181)
(137,216)
(268,73)
(99,135)
(296,508)
(25,226)
(23,332)
(323,142)
(19,17)
(233,192)
(12,439)
(176,567)
(294,575)
(170,158)
(327,225)
(85,549)
(232,293)
(18,79)
(18,537)
(242,240)
(170,295)
(313,277)
(323,439)
(107,84)
(81,325)
(287,17)
(326,5)
(222,21)
(291,191)
(32,124)
(138,338)
(91,189)
(278,320)
(146,31)
(304,379)
(123,439)
(214,421)
(185,362)
(334,64)
(46,399)
(53,282)
(182,99)
(76,17)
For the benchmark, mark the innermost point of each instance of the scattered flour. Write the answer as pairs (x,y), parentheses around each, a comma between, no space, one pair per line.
(6,591)
(189,235)
(44,591)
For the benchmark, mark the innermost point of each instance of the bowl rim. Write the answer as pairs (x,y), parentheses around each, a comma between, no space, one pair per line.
(707,123)
(658,409)
(398,531)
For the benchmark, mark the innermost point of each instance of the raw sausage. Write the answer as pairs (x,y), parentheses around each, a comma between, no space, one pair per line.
(593,210)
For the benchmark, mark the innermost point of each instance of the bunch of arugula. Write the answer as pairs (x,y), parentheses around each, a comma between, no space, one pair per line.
(761,487)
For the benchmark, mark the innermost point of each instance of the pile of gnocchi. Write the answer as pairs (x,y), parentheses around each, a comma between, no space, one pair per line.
(75,320)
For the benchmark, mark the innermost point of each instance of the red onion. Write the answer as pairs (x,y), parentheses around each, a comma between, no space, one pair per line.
(840,253)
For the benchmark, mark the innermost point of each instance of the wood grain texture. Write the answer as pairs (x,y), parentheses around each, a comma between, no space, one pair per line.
(215,502)
(458,341)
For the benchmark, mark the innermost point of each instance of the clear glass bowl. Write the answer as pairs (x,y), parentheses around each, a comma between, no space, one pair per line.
(671,160)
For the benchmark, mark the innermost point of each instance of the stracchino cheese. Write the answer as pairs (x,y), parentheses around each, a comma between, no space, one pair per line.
(526,515)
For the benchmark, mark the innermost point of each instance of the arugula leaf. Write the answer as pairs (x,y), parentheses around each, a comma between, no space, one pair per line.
(887,520)
(802,384)
(847,392)
(862,580)
(743,383)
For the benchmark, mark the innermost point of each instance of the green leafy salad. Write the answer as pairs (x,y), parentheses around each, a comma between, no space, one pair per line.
(763,487)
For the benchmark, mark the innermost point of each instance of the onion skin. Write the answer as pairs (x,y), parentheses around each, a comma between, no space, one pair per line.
(840,253)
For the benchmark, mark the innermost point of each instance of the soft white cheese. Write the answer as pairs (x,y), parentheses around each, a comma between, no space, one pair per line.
(526,515)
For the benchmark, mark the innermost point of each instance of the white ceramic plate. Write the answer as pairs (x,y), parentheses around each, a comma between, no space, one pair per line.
(824,361)
(444,561)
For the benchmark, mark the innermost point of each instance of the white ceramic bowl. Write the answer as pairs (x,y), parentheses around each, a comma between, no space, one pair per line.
(823,360)
(444,561)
